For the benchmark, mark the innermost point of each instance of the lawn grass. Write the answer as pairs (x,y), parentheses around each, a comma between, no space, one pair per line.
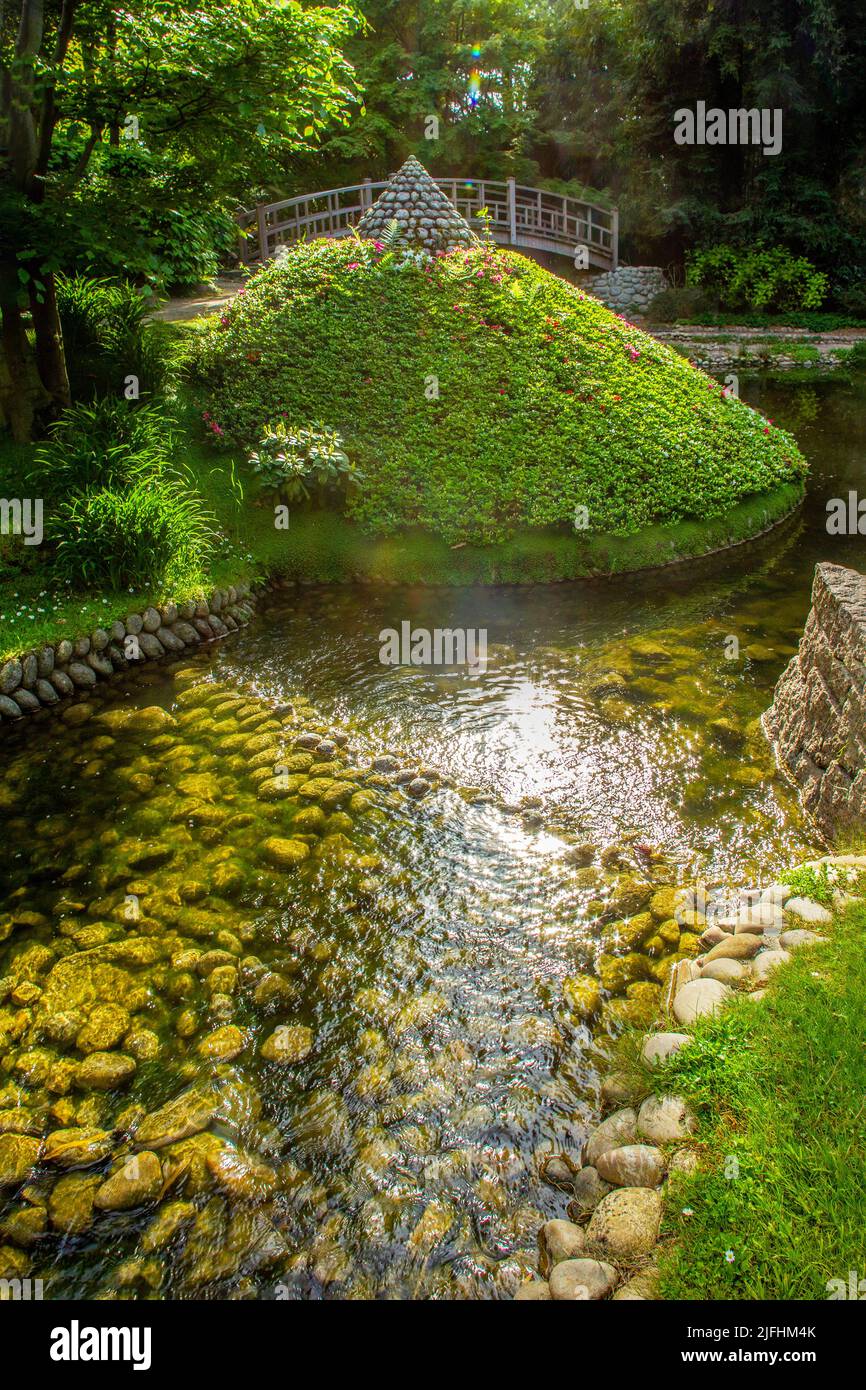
(779,1086)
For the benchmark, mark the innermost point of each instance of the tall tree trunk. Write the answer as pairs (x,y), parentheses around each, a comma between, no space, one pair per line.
(50,356)
(21,391)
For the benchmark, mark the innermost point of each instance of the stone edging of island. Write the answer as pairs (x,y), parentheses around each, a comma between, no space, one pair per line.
(47,677)
(608,1247)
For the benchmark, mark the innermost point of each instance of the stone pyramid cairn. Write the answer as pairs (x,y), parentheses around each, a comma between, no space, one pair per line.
(426,218)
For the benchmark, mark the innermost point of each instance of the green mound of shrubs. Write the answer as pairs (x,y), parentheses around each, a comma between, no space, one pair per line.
(479,396)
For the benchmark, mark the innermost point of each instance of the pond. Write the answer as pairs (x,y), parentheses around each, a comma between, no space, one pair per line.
(612,740)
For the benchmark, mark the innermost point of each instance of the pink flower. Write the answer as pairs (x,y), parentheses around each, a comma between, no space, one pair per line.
(354,265)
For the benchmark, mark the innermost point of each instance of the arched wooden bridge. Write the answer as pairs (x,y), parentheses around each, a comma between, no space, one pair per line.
(519,216)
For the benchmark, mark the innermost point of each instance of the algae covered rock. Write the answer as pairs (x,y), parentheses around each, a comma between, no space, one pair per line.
(223,1044)
(76,1147)
(19,1154)
(618,972)
(138,1181)
(186,1115)
(285,854)
(104,1071)
(70,1205)
(288,1044)
(582,996)
(170,1220)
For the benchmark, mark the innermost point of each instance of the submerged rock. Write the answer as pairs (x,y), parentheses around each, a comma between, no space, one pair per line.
(288,1044)
(19,1155)
(183,1117)
(104,1071)
(285,854)
(137,1182)
(77,1147)
(70,1205)
(223,1044)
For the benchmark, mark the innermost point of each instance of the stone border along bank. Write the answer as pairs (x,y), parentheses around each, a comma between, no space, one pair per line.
(629,1157)
(47,677)
(817,721)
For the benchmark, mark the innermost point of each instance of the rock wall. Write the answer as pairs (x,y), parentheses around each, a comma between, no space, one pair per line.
(817,721)
(629,288)
(51,674)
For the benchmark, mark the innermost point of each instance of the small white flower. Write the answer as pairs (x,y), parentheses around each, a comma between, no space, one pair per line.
(729,1256)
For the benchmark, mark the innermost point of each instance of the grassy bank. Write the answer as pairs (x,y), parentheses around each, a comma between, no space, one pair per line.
(329,549)
(779,1087)
(326,547)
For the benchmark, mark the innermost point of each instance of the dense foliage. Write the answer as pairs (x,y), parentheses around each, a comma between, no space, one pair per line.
(480,394)
(120,510)
(586,95)
(128,134)
(764,278)
(106,337)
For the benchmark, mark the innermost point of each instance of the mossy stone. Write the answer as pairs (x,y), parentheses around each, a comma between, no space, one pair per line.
(285,854)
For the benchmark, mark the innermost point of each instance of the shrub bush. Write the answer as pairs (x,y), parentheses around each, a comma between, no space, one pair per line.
(764,278)
(154,534)
(481,395)
(106,337)
(111,443)
(289,463)
(143,215)
(120,511)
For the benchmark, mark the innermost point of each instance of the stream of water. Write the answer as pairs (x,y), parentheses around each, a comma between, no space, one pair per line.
(615,731)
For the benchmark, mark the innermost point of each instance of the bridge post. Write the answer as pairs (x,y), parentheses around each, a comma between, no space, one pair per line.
(262,224)
(366,196)
(512,212)
(614,237)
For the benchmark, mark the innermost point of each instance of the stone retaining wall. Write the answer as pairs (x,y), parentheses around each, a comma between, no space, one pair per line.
(51,674)
(629,288)
(817,721)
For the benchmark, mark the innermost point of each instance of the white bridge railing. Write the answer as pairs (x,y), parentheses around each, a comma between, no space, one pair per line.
(518,216)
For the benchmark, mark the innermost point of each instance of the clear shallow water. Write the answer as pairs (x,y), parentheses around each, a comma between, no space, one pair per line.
(445,1065)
